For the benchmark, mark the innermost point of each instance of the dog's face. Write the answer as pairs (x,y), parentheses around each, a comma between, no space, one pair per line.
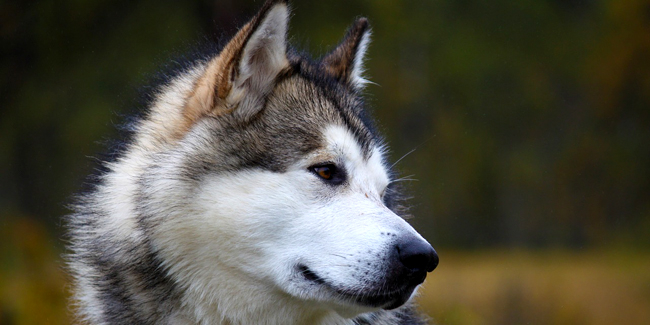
(286,190)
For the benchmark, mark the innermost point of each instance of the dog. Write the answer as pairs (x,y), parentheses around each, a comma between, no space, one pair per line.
(254,190)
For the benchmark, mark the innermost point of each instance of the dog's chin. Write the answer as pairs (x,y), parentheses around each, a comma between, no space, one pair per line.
(388,297)
(387,301)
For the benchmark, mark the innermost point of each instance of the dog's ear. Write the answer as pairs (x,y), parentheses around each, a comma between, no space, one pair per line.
(345,63)
(244,73)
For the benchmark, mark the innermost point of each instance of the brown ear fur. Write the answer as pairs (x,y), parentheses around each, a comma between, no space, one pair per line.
(211,92)
(345,62)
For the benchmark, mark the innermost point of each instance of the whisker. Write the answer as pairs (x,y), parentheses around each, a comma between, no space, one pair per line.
(404,179)
(410,152)
(404,156)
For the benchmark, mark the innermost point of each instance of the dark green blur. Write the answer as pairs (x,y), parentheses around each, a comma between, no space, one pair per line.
(529,119)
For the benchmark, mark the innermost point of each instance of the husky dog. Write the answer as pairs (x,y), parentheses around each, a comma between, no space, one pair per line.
(254,191)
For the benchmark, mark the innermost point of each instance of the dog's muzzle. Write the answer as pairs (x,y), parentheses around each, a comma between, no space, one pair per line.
(408,261)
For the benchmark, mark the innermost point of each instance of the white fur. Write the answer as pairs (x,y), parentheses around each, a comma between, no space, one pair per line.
(231,241)
(234,247)
(120,185)
(358,67)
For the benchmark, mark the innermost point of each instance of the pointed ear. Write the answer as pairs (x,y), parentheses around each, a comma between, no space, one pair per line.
(345,63)
(244,73)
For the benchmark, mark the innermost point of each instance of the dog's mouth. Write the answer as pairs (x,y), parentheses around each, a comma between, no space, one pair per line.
(389,296)
(310,275)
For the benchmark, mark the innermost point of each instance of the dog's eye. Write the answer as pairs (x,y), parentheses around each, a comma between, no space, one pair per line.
(325,172)
(329,172)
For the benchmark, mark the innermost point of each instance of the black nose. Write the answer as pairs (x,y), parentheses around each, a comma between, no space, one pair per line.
(417,255)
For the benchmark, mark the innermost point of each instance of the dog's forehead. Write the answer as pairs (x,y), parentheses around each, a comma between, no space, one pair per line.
(341,144)
(334,116)
(292,124)
(318,101)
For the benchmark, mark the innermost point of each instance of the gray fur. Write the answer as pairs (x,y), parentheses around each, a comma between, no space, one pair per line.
(121,277)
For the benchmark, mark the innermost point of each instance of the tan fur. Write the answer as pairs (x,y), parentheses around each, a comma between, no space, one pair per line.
(214,94)
(211,90)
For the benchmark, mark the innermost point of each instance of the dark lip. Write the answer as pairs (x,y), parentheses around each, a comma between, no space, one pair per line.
(310,275)
(385,300)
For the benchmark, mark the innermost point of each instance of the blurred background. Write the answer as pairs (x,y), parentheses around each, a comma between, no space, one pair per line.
(527,124)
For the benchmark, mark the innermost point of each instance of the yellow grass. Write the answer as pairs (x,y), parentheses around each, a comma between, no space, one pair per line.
(519,287)
(33,287)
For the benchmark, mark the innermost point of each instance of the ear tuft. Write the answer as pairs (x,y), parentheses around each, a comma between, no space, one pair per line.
(263,56)
(345,62)
(241,77)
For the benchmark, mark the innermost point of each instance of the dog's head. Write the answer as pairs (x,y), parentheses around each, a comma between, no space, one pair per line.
(274,182)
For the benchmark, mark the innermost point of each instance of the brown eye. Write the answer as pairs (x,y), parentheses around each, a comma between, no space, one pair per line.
(329,173)
(325,172)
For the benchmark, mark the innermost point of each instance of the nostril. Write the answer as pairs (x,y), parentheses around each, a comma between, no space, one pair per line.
(417,255)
